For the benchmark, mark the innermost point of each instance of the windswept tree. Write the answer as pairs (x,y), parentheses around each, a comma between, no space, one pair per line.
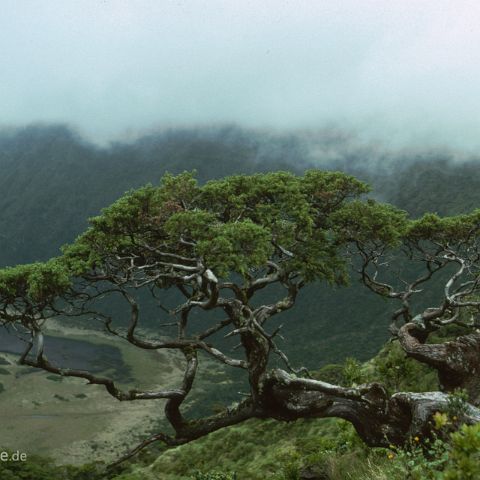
(218,246)
(443,253)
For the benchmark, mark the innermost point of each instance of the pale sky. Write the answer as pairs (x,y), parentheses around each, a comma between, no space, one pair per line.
(402,71)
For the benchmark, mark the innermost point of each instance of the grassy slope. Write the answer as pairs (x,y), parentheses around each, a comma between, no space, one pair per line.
(54,175)
(261,449)
(74,423)
(254,450)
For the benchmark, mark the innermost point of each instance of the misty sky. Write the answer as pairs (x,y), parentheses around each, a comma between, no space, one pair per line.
(402,71)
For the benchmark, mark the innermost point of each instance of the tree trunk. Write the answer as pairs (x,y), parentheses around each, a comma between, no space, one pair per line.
(378,419)
(457,361)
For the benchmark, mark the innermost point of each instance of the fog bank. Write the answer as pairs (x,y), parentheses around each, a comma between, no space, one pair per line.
(400,73)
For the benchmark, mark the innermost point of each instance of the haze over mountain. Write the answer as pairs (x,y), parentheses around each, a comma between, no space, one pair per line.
(99,97)
(52,181)
(404,73)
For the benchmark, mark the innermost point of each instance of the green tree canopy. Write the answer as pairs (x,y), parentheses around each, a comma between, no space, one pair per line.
(217,246)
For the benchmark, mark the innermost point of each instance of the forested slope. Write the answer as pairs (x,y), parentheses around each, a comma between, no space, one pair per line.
(51,181)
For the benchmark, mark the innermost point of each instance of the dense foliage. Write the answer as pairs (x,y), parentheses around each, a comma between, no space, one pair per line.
(236,224)
(52,181)
(330,449)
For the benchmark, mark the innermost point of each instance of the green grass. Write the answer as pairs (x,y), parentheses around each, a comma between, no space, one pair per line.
(328,448)
(255,449)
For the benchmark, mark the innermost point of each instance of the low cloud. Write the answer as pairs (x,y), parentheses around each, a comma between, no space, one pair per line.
(400,73)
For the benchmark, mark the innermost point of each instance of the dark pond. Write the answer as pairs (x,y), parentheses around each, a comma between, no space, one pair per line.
(70,353)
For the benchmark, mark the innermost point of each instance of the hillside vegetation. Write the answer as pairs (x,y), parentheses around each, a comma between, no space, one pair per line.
(52,181)
(326,449)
